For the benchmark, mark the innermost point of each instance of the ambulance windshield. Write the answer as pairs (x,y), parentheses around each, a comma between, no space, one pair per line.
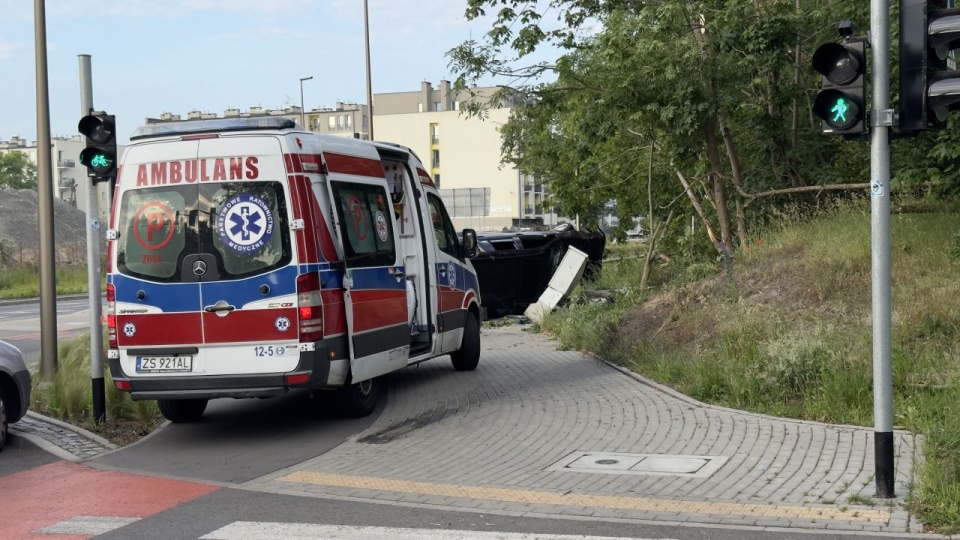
(239,228)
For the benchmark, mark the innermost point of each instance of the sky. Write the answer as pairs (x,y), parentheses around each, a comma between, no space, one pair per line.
(156,56)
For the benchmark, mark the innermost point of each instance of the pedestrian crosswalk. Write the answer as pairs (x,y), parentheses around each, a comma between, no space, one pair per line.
(250,530)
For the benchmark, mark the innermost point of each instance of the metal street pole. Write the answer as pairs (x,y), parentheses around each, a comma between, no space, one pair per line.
(881,119)
(366,36)
(93,260)
(48,277)
(302,121)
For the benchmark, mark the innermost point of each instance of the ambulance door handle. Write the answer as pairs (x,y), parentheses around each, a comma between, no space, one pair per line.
(219,307)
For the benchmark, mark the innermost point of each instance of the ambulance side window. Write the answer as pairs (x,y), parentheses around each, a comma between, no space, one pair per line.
(366,220)
(443,231)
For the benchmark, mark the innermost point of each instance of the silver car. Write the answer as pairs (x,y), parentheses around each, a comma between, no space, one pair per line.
(14,388)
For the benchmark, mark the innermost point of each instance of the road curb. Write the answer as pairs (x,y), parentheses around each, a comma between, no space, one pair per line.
(70,427)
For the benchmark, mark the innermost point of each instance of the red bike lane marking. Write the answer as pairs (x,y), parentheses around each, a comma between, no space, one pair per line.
(52,493)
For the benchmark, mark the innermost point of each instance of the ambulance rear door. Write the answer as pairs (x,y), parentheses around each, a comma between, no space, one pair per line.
(375,292)
(158,322)
(246,262)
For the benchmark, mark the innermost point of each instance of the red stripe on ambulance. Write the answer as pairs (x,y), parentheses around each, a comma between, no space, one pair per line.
(339,163)
(248,325)
(379,308)
(159,329)
(334,315)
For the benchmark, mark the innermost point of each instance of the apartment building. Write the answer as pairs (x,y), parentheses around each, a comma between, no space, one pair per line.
(462,153)
(343,120)
(70,182)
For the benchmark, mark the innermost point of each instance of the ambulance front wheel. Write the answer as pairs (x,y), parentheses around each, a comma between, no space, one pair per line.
(468,356)
(182,410)
(360,399)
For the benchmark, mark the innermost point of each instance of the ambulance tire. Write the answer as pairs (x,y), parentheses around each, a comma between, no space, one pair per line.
(468,356)
(181,411)
(360,399)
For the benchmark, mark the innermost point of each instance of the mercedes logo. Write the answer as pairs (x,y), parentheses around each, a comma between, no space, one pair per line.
(199,268)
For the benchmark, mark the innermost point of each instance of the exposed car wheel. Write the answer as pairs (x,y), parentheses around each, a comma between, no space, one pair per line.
(468,356)
(182,410)
(3,420)
(360,399)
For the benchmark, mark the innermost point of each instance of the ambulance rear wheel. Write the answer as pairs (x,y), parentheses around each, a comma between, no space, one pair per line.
(468,356)
(182,410)
(360,399)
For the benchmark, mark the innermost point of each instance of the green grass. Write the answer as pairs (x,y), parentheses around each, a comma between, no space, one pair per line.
(69,396)
(23,281)
(789,332)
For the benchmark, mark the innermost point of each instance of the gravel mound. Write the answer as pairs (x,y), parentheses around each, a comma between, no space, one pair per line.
(20,229)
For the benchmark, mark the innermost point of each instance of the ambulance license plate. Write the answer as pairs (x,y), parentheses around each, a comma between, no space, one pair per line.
(164,364)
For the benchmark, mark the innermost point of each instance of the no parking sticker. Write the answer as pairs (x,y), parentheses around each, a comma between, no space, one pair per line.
(153,225)
(245,223)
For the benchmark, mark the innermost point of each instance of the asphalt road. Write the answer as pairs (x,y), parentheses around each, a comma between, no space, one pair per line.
(239,440)
(20,323)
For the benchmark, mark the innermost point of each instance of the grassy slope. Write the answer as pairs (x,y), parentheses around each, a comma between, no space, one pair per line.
(787,331)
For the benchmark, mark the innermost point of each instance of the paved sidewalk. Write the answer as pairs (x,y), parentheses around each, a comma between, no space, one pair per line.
(524,435)
(546,433)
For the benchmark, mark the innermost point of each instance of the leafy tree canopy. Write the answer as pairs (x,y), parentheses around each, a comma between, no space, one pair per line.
(17,171)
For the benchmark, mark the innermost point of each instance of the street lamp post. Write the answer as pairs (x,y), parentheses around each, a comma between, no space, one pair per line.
(302,121)
(366,37)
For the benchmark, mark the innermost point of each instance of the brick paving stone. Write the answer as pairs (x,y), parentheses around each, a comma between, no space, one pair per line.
(77,442)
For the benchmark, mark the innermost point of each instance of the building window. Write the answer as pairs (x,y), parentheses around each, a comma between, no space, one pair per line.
(456,105)
(341,122)
(349,120)
(331,123)
(436,180)
(436,106)
(434,134)
(419,107)
(436,158)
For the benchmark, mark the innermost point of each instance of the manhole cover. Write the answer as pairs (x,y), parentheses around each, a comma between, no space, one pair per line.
(640,464)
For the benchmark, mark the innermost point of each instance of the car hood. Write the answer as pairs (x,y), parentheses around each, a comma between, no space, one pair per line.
(11,358)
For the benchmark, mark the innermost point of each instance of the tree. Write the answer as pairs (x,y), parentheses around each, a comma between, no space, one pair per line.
(722,88)
(17,171)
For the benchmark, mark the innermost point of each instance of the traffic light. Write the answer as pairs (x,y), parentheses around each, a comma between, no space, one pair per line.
(929,86)
(841,102)
(100,155)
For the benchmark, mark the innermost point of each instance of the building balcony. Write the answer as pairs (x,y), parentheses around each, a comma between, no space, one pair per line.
(66,164)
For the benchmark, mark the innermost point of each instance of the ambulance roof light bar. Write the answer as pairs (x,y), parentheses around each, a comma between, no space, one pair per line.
(191,127)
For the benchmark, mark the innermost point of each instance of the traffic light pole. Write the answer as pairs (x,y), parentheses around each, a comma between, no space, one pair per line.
(881,119)
(93,261)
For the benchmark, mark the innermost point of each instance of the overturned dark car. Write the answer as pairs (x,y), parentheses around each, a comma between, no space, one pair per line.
(514,268)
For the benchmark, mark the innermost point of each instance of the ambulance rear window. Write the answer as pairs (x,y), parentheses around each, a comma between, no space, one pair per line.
(242,225)
(154,232)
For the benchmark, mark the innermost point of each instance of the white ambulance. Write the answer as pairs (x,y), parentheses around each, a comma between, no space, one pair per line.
(248,257)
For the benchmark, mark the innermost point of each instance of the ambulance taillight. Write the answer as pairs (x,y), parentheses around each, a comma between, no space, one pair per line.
(309,307)
(112,315)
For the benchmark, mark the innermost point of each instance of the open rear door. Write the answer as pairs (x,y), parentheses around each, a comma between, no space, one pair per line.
(375,294)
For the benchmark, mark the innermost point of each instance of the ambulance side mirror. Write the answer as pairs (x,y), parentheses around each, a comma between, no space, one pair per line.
(469,243)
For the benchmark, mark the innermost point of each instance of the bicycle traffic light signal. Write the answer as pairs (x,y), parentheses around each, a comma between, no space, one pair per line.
(100,154)
(929,86)
(841,103)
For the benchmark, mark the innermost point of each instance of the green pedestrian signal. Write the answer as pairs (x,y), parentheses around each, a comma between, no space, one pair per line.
(841,111)
(841,102)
